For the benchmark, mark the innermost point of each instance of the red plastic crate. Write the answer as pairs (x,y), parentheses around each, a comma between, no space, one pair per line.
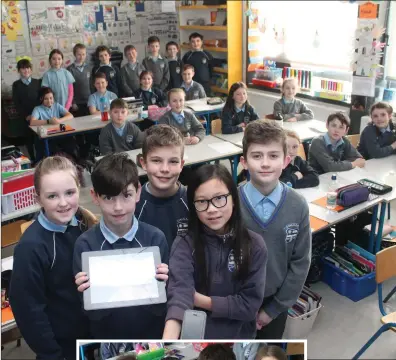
(18,200)
(18,183)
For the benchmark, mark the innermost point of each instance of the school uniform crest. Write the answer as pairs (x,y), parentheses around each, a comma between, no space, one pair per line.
(204,61)
(88,74)
(246,119)
(231,261)
(182,226)
(162,65)
(153,100)
(129,139)
(112,74)
(196,93)
(291,232)
(177,70)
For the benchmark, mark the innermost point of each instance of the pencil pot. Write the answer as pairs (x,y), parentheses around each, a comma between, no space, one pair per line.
(152,355)
(354,288)
(299,327)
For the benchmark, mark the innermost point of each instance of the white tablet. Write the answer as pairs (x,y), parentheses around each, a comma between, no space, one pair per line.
(124,277)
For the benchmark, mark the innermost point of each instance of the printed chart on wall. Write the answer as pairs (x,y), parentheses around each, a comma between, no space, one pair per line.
(14,40)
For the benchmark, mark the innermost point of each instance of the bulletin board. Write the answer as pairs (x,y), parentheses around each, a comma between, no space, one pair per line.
(34,28)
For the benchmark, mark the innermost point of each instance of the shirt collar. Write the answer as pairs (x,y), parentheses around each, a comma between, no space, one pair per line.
(119,130)
(159,57)
(237,109)
(26,81)
(50,226)
(133,65)
(109,64)
(287,101)
(329,143)
(387,129)
(178,117)
(194,50)
(112,238)
(255,196)
(184,85)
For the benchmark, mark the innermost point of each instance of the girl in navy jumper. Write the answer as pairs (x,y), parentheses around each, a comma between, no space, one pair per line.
(149,94)
(237,111)
(43,296)
(219,266)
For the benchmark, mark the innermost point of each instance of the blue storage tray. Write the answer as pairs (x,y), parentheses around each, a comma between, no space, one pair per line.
(354,288)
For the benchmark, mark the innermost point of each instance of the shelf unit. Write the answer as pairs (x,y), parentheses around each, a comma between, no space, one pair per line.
(232,32)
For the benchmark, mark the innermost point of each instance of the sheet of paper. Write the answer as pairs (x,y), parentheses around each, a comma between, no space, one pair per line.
(223,147)
(7,263)
(364,86)
(168,6)
(122,277)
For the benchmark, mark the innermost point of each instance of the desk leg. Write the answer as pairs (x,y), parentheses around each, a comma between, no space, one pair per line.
(207,117)
(372,232)
(235,169)
(380,227)
(46,147)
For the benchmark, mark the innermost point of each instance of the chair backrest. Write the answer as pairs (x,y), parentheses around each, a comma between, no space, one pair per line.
(354,140)
(385,264)
(301,152)
(25,225)
(215,126)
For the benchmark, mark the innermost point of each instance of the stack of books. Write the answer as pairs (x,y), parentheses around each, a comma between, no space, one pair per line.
(307,301)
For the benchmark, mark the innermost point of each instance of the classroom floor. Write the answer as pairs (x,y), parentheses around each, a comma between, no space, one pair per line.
(340,330)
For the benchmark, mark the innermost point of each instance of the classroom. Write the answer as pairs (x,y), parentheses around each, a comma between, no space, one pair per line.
(227,139)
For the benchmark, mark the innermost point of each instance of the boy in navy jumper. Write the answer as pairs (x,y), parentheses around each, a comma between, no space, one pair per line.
(278,213)
(112,72)
(163,202)
(116,191)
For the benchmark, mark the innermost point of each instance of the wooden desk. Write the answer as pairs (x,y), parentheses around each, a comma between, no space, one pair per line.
(295,348)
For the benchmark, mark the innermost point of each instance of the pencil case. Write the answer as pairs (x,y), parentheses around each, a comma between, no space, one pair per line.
(351,195)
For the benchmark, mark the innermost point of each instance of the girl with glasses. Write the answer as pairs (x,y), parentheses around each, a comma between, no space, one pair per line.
(219,266)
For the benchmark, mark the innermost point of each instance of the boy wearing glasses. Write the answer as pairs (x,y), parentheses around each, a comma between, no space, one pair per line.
(279,214)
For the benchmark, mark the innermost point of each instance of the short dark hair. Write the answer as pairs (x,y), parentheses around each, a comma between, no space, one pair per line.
(195,35)
(78,46)
(381,105)
(344,118)
(153,39)
(263,132)
(100,75)
(162,135)
(118,104)
(102,48)
(113,174)
(144,73)
(53,52)
(217,352)
(127,48)
(271,351)
(188,66)
(170,43)
(44,91)
(24,64)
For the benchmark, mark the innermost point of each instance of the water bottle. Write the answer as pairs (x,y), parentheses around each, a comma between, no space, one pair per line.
(331,201)
(104,109)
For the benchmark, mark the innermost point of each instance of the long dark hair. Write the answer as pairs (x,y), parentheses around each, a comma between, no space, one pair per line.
(240,240)
(230,103)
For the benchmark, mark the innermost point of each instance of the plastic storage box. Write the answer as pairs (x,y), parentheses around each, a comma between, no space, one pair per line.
(300,327)
(354,288)
(270,74)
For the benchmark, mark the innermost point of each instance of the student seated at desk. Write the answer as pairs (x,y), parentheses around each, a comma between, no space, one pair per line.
(192,130)
(163,201)
(149,94)
(298,173)
(237,111)
(43,296)
(217,263)
(102,96)
(119,135)
(116,191)
(279,214)
(378,138)
(290,108)
(192,89)
(333,152)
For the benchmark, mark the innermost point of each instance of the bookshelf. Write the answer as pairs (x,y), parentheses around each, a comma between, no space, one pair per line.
(232,32)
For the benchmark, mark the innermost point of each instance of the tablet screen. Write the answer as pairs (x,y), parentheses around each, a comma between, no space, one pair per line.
(122,277)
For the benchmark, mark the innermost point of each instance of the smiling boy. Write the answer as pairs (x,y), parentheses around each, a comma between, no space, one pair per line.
(332,151)
(192,89)
(281,216)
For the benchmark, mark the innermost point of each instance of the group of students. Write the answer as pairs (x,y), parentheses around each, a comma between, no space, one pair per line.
(82,89)
(210,235)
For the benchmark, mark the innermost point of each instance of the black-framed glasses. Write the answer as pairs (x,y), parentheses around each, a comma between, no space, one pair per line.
(218,201)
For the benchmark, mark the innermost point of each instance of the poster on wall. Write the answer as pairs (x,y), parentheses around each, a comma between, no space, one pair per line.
(11,22)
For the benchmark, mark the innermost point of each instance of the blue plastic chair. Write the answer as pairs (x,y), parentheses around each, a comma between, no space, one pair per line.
(385,269)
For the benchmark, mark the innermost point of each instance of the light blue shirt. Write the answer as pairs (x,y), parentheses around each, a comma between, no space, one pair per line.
(159,57)
(132,65)
(238,110)
(178,117)
(26,81)
(45,113)
(112,238)
(59,81)
(50,226)
(80,67)
(183,85)
(329,143)
(263,205)
(94,99)
(109,65)
(120,130)
(387,129)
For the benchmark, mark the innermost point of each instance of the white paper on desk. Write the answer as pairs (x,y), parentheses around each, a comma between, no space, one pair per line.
(364,86)
(96,117)
(122,277)
(7,263)
(223,147)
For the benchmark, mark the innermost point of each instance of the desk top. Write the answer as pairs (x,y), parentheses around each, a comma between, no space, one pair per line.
(201,106)
(209,149)
(81,124)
